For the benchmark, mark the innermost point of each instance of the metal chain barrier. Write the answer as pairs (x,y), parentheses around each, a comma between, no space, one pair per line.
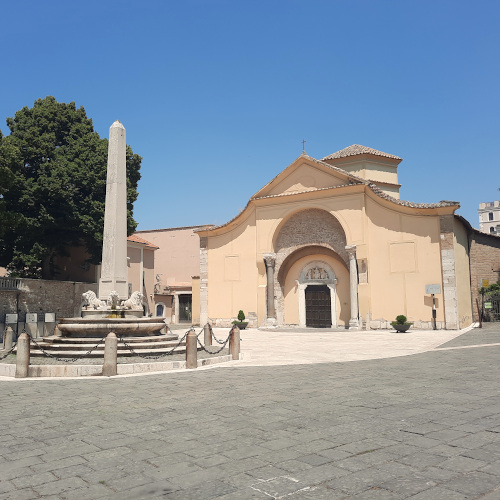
(10,351)
(64,360)
(168,353)
(223,344)
(213,335)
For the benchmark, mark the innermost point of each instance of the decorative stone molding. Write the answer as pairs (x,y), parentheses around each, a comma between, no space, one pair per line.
(317,273)
(270,259)
(450,297)
(203,280)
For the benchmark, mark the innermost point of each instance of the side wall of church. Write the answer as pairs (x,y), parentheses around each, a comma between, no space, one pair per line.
(484,264)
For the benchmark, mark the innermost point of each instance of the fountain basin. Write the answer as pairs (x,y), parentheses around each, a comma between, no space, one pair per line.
(98,327)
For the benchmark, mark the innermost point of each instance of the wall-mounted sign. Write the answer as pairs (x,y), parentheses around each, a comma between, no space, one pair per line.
(432,289)
(50,317)
(485,283)
(31,317)
(10,319)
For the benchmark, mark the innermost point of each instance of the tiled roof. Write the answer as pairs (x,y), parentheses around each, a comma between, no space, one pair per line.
(137,239)
(442,203)
(353,180)
(357,149)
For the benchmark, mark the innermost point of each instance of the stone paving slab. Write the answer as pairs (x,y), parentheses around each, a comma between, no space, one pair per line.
(423,426)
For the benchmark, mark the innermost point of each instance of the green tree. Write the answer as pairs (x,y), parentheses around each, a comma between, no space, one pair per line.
(53,186)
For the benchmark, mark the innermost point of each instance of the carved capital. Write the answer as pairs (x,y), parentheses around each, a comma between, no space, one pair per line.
(351,251)
(270,259)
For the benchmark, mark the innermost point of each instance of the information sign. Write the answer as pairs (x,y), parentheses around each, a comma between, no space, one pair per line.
(31,317)
(432,289)
(50,317)
(10,319)
(487,305)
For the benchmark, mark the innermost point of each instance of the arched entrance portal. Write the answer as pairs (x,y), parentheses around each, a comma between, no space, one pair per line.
(317,296)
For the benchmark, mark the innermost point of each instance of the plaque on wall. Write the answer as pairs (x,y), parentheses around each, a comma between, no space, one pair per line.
(50,317)
(11,319)
(31,317)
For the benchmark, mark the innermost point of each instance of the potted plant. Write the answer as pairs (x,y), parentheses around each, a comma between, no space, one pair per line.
(241,323)
(401,325)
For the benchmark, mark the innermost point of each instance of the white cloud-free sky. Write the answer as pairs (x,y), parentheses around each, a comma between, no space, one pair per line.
(217,95)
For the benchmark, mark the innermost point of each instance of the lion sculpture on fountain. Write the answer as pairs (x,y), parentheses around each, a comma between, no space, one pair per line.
(90,300)
(135,301)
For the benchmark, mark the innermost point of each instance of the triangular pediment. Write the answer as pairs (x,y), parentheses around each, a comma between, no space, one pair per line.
(305,174)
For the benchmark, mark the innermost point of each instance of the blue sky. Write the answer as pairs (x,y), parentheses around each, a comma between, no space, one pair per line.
(217,95)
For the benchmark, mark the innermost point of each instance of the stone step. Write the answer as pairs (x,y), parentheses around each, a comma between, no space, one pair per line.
(86,347)
(89,340)
(99,354)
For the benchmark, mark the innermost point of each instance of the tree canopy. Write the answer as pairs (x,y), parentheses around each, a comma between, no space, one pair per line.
(53,187)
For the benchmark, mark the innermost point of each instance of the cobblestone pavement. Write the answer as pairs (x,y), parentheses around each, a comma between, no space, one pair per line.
(425,426)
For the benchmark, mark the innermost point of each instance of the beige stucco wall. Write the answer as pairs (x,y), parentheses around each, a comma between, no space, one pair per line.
(141,263)
(178,256)
(403,255)
(233,275)
(384,170)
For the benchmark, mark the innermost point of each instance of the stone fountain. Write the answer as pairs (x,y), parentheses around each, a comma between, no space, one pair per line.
(112,310)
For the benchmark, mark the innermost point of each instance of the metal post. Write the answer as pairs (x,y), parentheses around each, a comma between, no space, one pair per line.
(234,345)
(8,338)
(207,335)
(23,355)
(191,350)
(109,367)
(434,312)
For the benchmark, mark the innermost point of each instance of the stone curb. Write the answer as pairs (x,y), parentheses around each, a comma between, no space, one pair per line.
(58,371)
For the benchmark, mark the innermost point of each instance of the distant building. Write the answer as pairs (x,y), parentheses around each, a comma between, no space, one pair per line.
(489,217)
(177,273)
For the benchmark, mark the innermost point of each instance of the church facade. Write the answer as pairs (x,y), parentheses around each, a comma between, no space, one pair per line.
(328,243)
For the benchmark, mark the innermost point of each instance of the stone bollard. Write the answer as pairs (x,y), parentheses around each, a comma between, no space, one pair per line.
(23,355)
(207,334)
(8,338)
(234,344)
(109,367)
(57,332)
(191,350)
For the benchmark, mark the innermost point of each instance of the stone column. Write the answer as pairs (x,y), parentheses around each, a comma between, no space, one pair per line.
(114,272)
(270,260)
(353,280)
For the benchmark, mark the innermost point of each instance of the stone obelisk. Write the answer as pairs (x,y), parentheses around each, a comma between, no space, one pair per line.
(114,248)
